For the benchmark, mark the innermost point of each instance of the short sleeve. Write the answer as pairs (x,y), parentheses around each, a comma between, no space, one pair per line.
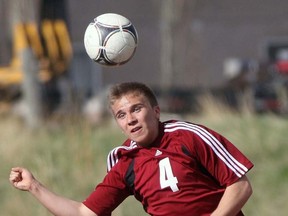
(223,160)
(108,194)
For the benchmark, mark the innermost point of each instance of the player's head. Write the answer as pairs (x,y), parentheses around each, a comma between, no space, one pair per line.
(118,90)
(136,111)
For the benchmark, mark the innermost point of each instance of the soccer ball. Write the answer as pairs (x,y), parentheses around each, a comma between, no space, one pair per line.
(111,39)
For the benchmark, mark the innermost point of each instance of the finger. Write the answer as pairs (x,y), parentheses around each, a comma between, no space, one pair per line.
(13,179)
(12,173)
(15,176)
(17,169)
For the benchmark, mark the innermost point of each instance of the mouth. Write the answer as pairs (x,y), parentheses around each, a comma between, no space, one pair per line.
(136,129)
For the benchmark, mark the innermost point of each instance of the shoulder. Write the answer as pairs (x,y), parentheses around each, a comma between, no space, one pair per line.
(189,133)
(194,132)
(116,153)
(182,126)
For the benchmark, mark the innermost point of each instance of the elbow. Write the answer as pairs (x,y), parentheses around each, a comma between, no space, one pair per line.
(248,189)
(244,188)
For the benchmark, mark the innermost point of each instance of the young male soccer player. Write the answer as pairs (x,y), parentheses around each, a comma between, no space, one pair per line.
(173,167)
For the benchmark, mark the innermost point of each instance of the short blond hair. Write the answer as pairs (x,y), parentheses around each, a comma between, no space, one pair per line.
(118,90)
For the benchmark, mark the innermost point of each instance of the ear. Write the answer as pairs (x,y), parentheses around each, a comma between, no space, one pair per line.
(157,111)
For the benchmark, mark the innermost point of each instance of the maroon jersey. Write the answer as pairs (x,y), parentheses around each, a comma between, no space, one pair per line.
(184,172)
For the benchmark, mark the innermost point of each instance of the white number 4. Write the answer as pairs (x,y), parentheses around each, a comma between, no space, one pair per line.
(167,179)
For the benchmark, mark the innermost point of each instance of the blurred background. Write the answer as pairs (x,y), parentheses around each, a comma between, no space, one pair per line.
(186,48)
(222,63)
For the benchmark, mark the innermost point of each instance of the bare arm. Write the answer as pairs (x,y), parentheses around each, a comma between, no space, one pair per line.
(22,179)
(234,198)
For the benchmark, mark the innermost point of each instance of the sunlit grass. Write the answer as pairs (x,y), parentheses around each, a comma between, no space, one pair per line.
(263,138)
(71,159)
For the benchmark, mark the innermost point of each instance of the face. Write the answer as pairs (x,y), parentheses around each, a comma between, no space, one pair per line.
(137,118)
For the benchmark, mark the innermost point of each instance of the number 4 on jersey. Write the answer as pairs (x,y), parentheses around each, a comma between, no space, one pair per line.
(167,179)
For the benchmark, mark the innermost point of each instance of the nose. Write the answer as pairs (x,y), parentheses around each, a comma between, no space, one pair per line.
(131,119)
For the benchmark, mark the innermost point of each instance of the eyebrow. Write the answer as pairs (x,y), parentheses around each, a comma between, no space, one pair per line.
(130,108)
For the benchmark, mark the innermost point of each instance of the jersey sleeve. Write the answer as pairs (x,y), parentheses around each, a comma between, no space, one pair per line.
(108,194)
(219,156)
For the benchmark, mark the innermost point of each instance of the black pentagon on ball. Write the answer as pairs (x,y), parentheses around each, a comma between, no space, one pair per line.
(110,39)
(105,32)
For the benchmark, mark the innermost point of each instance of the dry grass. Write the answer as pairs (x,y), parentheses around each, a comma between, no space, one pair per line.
(263,139)
(71,159)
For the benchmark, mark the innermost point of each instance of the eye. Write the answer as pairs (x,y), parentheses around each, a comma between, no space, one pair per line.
(137,109)
(120,115)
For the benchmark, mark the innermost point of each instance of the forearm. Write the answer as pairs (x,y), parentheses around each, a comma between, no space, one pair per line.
(57,205)
(234,198)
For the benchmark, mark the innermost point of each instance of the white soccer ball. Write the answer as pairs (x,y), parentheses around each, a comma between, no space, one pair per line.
(111,39)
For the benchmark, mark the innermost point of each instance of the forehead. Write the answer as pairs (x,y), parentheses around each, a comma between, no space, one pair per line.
(127,96)
(128,100)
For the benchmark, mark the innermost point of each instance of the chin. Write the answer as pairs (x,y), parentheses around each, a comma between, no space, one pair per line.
(143,140)
(143,143)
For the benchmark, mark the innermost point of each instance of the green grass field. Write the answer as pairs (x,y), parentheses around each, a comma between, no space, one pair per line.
(71,159)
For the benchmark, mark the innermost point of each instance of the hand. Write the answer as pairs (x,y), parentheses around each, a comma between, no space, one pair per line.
(21,178)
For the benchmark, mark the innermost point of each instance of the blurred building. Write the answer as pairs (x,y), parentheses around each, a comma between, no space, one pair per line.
(204,34)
